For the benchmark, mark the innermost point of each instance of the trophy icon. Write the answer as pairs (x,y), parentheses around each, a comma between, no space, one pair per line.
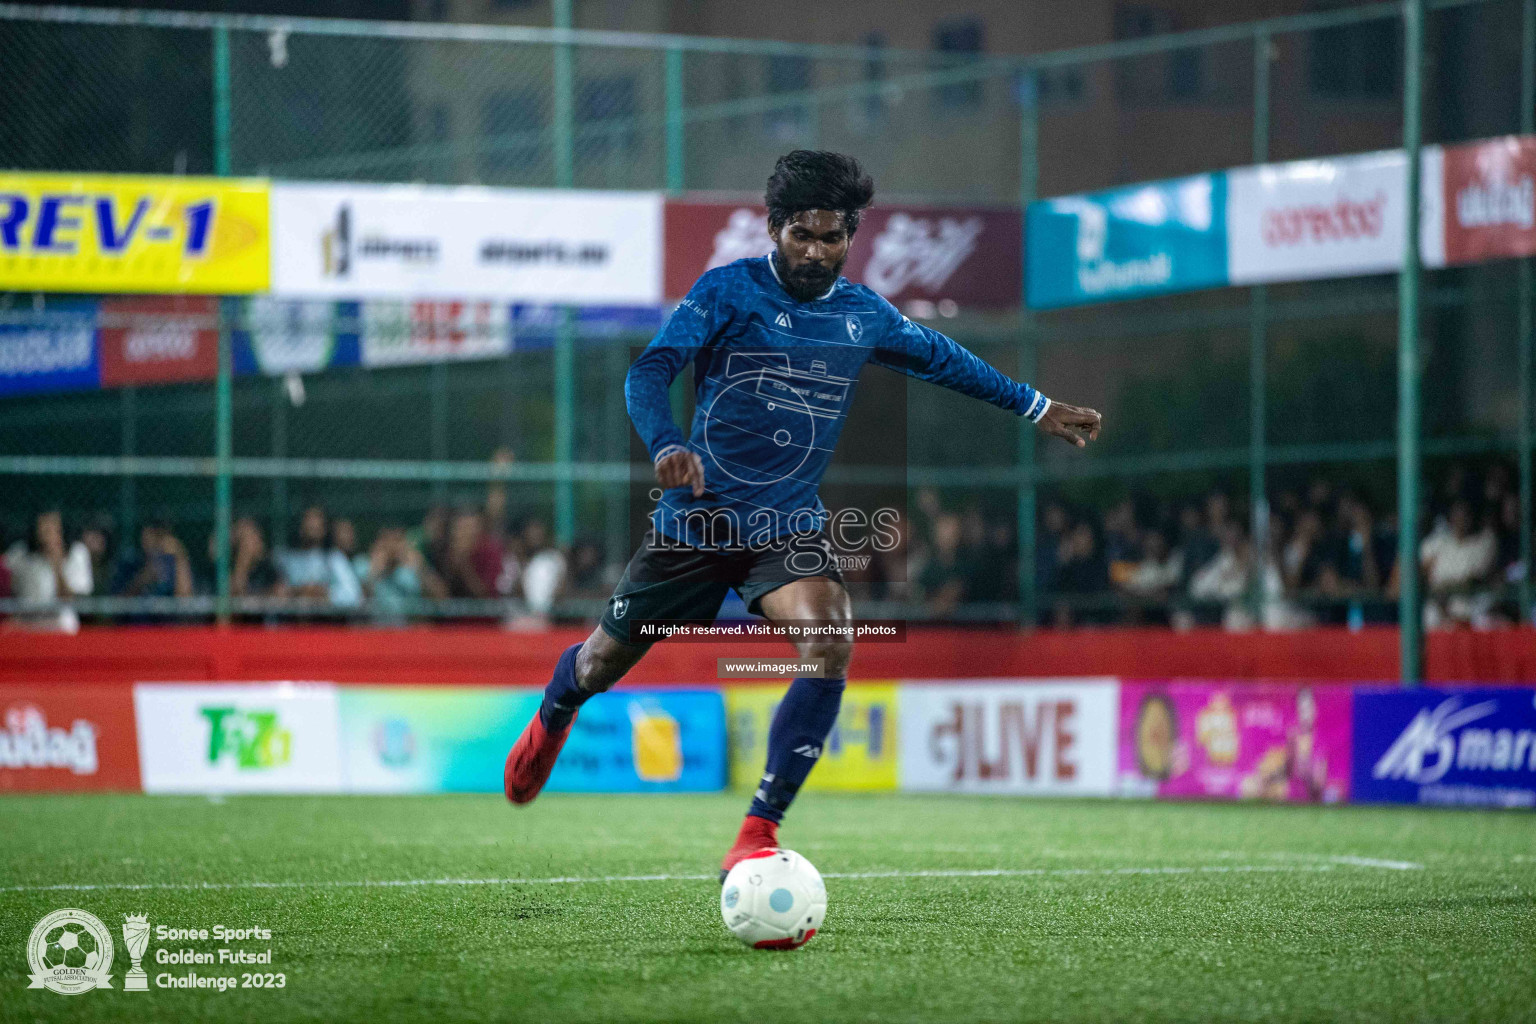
(136,936)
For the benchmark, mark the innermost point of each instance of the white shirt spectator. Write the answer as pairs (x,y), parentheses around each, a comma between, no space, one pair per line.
(1453,562)
(33,580)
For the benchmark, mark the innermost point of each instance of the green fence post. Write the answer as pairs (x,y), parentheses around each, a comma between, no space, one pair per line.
(278,396)
(1527,126)
(564,97)
(565,334)
(221,101)
(676,126)
(127,490)
(1029,182)
(437,427)
(565,427)
(1409,617)
(223,491)
(1258,349)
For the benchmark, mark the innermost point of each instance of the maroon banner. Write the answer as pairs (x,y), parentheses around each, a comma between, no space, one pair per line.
(158,339)
(1490,200)
(969,256)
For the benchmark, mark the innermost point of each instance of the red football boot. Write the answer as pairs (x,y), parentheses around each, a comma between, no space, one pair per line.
(756,834)
(532,759)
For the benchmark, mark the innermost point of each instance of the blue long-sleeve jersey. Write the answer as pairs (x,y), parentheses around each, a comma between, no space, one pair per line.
(774,380)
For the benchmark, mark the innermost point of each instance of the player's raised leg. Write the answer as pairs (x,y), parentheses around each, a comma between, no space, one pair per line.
(583,671)
(806,714)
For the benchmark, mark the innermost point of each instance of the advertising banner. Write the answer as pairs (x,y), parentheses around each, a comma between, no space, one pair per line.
(1338,217)
(243,737)
(158,339)
(62,737)
(1038,737)
(1164,236)
(859,755)
(455,739)
(1480,198)
(969,256)
(1473,746)
(282,336)
(407,241)
(54,350)
(403,333)
(121,233)
(1236,741)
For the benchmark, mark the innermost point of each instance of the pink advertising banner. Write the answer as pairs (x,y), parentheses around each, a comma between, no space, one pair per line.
(1234,741)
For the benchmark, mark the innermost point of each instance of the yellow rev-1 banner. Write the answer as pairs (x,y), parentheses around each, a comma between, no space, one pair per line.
(860,755)
(123,233)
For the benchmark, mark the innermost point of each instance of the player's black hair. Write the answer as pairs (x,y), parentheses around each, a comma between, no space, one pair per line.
(816,179)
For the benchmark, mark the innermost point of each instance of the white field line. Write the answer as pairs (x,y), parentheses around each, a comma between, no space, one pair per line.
(399,883)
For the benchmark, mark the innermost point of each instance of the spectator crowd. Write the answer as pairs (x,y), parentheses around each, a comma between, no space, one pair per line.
(1325,556)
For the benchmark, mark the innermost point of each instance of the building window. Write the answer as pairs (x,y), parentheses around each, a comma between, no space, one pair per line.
(872,105)
(513,139)
(959,40)
(788,75)
(605,115)
(1362,61)
(1157,77)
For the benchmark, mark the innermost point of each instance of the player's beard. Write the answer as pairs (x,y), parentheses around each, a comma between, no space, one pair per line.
(809,280)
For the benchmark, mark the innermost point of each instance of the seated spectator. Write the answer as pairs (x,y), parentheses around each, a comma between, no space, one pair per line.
(460,572)
(545,568)
(1457,564)
(311,571)
(944,576)
(252,572)
(45,570)
(1081,572)
(1224,580)
(1159,570)
(159,568)
(394,575)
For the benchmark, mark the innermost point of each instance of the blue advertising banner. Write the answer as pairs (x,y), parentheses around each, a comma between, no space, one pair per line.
(52,350)
(282,336)
(1164,236)
(1463,746)
(447,739)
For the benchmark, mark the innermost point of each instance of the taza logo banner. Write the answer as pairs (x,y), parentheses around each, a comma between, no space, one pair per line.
(1164,236)
(1463,746)
(119,233)
(261,738)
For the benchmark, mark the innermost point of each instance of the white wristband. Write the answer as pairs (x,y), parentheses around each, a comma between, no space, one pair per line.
(1038,414)
(668,450)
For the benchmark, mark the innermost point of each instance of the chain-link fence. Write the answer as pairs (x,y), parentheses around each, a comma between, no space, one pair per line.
(1238,420)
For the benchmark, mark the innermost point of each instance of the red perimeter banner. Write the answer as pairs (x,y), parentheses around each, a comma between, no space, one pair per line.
(970,256)
(1490,199)
(158,339)
(57,737)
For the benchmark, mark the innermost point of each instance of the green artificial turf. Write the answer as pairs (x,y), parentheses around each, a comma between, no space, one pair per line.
(1134,911)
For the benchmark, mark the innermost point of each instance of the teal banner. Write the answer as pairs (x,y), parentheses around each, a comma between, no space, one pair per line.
(1160,237)
(446,739)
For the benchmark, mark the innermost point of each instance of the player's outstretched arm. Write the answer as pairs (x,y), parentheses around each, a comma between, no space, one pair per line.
(1071,423)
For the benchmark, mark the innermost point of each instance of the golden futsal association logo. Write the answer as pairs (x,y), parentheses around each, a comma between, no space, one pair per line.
(70,952)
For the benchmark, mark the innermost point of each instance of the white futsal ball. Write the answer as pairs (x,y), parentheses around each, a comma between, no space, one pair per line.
(774,899)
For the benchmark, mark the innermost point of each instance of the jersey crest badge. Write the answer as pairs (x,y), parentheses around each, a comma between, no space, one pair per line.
(855,329)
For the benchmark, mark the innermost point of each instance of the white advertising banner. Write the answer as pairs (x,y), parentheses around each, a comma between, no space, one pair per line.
(1338,217)
(238,738)
(348,241)
(1011,736)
